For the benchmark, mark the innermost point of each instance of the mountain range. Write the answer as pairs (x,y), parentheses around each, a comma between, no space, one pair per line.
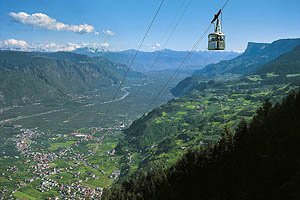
(167,60)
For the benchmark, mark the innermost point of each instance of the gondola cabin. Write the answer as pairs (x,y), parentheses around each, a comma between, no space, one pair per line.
(216,40)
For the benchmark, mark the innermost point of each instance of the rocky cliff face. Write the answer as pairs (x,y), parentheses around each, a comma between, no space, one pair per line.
(255,55)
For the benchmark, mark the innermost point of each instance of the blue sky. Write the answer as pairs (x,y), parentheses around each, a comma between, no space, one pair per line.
(243,21)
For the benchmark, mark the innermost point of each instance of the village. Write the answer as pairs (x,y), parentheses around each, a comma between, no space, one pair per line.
(61,165)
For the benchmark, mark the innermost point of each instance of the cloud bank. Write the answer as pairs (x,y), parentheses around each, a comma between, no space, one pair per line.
(41,20)
(21,45)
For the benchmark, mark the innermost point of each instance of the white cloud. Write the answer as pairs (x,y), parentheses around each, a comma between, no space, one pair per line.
(44,21)
(13,44)
(155,46)
(21,45)
(108,32)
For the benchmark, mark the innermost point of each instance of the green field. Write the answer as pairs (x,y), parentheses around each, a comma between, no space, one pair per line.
(55,146)
(21,195)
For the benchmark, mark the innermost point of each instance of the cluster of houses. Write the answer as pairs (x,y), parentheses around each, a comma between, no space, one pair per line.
(78,191)
(2,192)
(40,157)
(74,190)
(24,139)
(12,169)
(41,166)
(47,184)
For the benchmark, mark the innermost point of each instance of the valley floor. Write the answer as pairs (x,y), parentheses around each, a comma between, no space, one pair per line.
(65,149)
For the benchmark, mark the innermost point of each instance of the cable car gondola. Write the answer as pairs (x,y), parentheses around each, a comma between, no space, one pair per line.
(216,40)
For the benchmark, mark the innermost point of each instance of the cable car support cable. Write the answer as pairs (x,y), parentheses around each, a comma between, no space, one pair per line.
(132,61)
(178,68)
(185,59)
(168,38)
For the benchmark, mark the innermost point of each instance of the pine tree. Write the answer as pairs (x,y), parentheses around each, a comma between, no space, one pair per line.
(241,132)
(226,141)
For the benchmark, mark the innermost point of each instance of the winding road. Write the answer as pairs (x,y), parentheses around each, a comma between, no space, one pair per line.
(29,116)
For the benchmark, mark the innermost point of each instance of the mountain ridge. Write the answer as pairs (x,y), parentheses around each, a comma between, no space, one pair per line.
(192,82)
(28,76)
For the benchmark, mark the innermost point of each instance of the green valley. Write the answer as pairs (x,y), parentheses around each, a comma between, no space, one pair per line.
(66,147)
(50,147)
